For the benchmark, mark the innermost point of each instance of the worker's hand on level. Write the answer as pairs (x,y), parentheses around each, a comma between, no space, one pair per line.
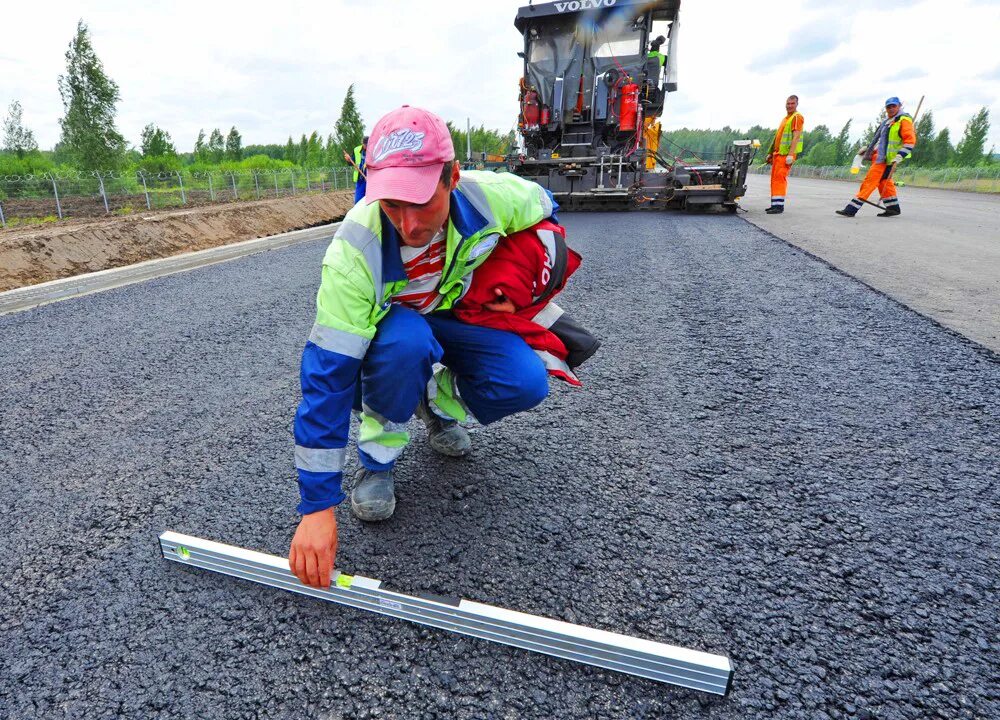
(314,548)
(767,161)
(898,159)
(501,304)
(789,159)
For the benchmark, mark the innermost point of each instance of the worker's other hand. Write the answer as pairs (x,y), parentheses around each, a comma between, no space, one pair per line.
(898,159)
(789,159)
(501,304)
(768,160)
(314,548)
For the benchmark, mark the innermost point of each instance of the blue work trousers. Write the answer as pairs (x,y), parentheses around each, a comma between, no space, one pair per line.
(497,373)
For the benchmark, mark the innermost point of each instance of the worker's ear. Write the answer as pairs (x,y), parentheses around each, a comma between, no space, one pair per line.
(456,174)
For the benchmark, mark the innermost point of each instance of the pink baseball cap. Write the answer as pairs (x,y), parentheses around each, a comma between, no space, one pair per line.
(406,152)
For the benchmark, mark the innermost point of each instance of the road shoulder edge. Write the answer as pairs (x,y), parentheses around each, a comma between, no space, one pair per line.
(32,296)
(976,346)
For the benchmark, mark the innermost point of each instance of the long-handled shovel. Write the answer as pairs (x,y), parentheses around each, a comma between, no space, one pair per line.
(349,159)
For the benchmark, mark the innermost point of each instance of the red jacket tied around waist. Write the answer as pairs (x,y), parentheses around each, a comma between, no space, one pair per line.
(529,268)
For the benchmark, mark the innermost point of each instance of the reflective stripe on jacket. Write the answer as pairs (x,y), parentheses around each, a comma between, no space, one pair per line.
(362,270)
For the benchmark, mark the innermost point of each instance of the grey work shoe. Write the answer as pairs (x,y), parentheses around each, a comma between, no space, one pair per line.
(372,497)
(445,436)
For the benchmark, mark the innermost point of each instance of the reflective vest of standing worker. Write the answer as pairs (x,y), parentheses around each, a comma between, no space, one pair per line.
(781,150)
(360,184)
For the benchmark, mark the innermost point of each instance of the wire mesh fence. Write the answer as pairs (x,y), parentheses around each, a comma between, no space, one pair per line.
(970,179)
(32,199)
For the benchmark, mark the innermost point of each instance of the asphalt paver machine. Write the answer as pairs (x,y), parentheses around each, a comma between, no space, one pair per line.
(596,77)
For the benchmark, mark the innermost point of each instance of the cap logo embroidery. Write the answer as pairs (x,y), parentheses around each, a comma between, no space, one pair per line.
(397,141)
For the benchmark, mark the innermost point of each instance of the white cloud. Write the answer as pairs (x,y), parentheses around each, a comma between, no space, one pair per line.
(825,76)
(280,70)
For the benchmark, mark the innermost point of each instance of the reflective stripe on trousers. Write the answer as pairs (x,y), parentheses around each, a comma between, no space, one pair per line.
(379,438)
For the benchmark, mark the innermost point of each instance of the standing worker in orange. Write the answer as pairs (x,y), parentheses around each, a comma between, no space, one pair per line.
(895,139)
(787,145)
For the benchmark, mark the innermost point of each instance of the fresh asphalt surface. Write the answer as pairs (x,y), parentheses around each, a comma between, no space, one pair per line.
(768,460)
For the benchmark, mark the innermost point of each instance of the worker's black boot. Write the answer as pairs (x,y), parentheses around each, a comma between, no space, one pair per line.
(373,497)
(445,436)
(891,211)
(775,210)
(851,209)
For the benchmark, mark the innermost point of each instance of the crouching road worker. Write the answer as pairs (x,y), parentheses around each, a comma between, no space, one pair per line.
(401,259)
(785,149)
(893,143)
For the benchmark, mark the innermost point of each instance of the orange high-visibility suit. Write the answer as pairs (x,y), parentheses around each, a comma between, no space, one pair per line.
(876,175)
(779,168)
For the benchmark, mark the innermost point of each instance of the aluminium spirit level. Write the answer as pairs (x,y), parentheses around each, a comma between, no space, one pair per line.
(635,656)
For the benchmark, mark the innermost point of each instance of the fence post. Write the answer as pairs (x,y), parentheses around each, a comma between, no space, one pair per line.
(236,195)
(293,181)
(104,196)
(256,184)
(274,174)
(336,172)
(308,185)
(181,181)
(145,190)
(211,190)
(55,190)
(3,220)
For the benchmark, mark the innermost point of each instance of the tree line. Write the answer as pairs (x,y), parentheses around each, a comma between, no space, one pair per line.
(821,147)
(90,140)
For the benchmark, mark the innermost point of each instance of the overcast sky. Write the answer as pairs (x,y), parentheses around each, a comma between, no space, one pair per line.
(279,68)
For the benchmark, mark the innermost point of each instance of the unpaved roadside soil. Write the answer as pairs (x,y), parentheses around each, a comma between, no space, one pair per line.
(36,255)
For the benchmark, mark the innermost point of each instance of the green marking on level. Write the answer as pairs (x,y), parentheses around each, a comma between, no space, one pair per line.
(344,581)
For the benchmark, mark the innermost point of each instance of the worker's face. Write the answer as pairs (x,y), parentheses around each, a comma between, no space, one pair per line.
(791,104)
(418,224)
(891,110)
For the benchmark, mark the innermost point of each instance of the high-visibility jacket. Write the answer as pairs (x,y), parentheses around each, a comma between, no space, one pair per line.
(895,136)
(358,161)
(783,138)
(362,270)
(658,56)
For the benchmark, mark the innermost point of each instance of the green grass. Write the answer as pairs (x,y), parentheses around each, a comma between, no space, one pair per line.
(29,221)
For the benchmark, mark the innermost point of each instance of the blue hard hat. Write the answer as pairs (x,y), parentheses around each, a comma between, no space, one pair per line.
(892,101)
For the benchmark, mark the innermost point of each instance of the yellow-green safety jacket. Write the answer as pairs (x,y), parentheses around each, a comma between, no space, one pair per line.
(785,141)
(357,161)
(889,141)
(362,270)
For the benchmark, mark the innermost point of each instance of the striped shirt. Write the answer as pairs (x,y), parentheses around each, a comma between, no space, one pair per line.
(423,266)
